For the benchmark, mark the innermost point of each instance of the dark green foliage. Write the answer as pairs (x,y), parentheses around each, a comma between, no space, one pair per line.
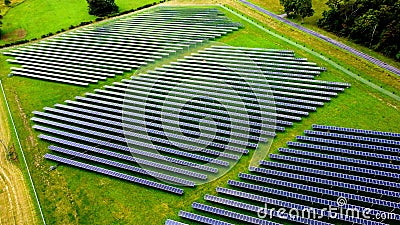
(374,24)
(302,8)
(102,7)
(1,24)
(7,2)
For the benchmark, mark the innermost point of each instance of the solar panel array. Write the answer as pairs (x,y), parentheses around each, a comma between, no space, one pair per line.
(289,184)
(94,53)
(157,120)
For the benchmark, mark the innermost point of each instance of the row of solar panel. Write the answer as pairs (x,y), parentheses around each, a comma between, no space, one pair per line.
(284,181)
(353,138)
(175,90)
(325,182)
(257,88)
(353,153)
(336,166)
(213,90)
(115,174)
(97,99)
(348,160)
(147,154)
(236,78)
(100,47)
(130,142)
(316,190)
(154,115)
(241,90)
(128,130)
(138,100)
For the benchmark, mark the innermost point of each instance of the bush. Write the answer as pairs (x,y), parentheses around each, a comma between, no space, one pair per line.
(102,7)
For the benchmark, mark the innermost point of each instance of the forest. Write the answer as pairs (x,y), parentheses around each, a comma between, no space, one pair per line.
(372,23)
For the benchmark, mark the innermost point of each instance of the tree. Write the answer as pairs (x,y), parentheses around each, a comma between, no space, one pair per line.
(301,8)
(1,24)
(102,7)
(304,9)
(7,2)
(372,23)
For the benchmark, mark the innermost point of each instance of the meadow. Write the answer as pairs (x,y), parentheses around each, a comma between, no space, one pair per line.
(72,196)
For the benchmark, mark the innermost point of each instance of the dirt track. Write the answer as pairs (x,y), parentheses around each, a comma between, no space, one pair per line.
(16,205)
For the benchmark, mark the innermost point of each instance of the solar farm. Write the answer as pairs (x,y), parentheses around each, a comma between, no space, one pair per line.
(315,174)
(197,115)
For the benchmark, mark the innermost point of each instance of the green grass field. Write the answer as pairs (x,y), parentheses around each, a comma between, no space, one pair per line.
(37,17)
(72,196)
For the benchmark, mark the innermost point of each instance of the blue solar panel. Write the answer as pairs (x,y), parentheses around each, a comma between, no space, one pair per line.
(230,214)
(133,159)
(115,174)
(172,115)
(173,100)
(317,190)
(291,205)
(334,166)
(349,144)
(257,209)
(125,166)
(335,175)
(136,152)
(142,144)
(353,137)
(325,157)
(326,182)
(345,151)
(220,89)
(301,197)
(133,134)
(181,91)
(128,115)
(209,112)
(202,219)
(172,222)
(357,131)
(242,90)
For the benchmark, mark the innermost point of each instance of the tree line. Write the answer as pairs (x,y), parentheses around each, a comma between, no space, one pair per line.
(372,23)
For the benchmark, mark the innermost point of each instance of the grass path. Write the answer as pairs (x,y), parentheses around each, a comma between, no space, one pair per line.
(15,200)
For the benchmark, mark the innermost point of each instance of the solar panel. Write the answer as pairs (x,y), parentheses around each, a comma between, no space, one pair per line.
(173,222)
(142,38)
(327,182)
(257,209)
(96,159)
(133,151)
(202,219)
(335,166)
(133,159)
(133,134)
(115,174)
(332,174)
(318,190)
(230,214)
(357,131)
(112,145)
(327,157)
(344,151)
(353,138)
